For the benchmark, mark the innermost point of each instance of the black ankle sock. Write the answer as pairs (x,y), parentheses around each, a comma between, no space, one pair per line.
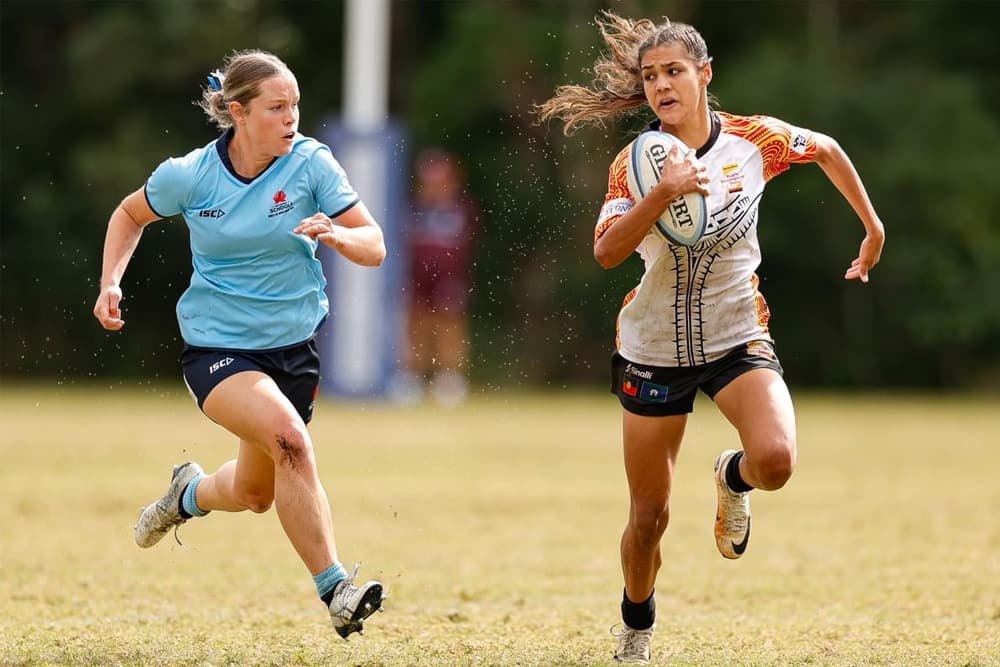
(327,597)
(733,478)
(638,615)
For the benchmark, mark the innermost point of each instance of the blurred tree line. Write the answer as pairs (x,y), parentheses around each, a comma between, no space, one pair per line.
(93,95)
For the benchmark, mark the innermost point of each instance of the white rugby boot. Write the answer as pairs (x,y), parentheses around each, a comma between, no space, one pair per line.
(351,604)
(157,519)
(732,515)
(633,645)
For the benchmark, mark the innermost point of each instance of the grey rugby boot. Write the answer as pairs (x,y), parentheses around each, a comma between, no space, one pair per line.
(351,604)
(633,645)
(157,519)
(732,515)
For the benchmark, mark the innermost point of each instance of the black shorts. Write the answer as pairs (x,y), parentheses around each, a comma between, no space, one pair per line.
(658,391)
(294,369)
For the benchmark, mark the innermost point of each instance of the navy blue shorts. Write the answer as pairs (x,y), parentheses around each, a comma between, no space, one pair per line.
(294,369)
(658,391)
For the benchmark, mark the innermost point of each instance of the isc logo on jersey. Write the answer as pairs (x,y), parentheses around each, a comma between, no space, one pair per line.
(683,221)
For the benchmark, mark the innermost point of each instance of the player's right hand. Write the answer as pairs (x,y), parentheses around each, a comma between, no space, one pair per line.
(682,174)
(107,310)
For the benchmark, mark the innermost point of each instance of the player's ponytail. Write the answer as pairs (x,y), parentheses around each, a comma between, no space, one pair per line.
(213,100)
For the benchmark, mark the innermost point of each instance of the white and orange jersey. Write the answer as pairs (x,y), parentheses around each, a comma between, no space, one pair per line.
(695,304)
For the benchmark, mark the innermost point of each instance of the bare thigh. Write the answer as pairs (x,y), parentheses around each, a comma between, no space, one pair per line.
(651,445)
(250,405)
(758,404)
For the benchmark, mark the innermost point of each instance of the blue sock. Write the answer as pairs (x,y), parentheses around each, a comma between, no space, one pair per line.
(188,503)
(327,580)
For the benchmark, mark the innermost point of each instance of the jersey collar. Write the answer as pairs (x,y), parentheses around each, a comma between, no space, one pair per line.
(713,135)
(222,147)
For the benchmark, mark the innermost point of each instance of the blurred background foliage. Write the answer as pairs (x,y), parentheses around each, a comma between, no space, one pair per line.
(93,95)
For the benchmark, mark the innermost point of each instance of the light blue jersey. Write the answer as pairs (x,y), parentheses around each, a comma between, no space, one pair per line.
(256,285)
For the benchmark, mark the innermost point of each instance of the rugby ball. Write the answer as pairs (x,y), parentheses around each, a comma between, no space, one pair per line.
(683,221)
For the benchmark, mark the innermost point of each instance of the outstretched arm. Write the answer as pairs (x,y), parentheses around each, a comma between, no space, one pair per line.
(841,172)
(355,234)
(124,231)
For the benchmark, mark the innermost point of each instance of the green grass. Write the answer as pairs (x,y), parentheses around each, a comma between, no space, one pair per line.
(495,527)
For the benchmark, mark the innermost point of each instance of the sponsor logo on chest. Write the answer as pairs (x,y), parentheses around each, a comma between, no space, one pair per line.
(732,177)
(281,204)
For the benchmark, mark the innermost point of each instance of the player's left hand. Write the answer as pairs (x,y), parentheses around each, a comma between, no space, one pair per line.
(868,256)
(319,227)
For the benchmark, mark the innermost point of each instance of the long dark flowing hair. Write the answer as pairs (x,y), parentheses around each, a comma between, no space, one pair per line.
(617,87)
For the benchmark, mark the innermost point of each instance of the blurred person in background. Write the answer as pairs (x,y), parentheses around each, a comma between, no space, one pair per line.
(257,201)
(440,235)
(696,319)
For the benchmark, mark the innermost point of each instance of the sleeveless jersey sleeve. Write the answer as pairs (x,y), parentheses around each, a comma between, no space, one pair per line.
(330,186)
(618,201)
(780,144)
(168,188)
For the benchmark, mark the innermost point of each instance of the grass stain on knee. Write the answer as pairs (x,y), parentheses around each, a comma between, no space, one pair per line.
(290,454)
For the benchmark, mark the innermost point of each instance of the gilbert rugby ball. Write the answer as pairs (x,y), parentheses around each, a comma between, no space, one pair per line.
(684,219)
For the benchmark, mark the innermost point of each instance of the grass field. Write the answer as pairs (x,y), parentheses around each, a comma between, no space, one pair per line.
(495,527)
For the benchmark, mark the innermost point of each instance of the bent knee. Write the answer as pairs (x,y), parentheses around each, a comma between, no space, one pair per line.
(292,448)
(774,467)
(259,506)
(253,498)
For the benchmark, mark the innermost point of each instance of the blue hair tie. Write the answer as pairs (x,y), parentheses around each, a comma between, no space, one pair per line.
(216,79)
